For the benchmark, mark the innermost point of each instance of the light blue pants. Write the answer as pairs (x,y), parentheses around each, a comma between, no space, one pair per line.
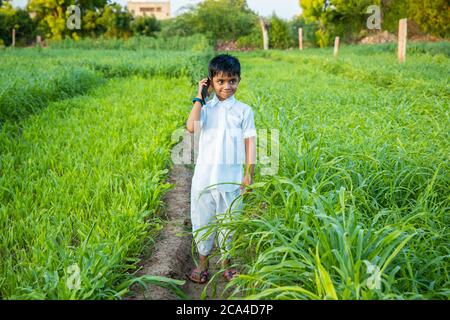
(207,208)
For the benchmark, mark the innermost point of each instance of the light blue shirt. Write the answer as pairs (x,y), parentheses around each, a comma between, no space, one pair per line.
(221,150)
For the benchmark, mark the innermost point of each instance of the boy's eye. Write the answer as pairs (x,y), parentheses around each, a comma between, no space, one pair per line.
(233,81)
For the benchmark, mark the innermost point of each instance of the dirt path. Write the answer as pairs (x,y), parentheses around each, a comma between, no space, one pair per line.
(171,256)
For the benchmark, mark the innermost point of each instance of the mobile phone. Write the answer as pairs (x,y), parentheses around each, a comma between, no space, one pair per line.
(205,89)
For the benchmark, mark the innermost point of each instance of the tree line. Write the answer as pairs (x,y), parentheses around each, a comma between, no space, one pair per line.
(222,20)
(348,18)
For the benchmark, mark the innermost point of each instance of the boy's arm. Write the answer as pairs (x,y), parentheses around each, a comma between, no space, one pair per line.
(194,116)
(250,159)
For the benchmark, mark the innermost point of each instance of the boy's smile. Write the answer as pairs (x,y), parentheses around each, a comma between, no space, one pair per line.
(225,85)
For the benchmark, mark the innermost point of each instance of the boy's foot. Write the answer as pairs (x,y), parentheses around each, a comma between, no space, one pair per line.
(198,276)
(230,274)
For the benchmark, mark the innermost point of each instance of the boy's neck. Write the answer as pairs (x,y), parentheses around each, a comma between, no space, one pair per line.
(220,99)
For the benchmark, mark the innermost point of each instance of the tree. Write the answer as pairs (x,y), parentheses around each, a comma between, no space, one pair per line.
(146,26)
(179,26)
(432,16)
(18,19)
(25,27)
(253,40)
(90,27)
(279,36)
(51,15)
(224,19)
(6,23)
(115,21)
(309,30)
(346,18)
(218,19)
(391,12)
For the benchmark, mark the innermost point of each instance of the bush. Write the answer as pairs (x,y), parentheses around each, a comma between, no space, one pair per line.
(309,30)
(21,21)
(180,26)
(146,26)
(218,20)
(279,36)
(254,40)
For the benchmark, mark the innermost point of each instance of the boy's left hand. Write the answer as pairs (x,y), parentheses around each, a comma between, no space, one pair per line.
(246,181)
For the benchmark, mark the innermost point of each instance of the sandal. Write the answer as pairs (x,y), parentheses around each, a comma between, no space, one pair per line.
(230,274)
(198,276)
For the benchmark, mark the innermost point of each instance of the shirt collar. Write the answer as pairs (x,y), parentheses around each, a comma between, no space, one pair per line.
(228,103)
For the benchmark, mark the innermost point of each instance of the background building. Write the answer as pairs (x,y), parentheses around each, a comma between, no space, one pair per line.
(159,8)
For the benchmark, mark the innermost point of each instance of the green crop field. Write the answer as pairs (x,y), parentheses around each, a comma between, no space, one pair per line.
(358,209)
(363,183)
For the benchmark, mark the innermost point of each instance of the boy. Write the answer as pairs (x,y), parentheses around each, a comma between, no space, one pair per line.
(227,136)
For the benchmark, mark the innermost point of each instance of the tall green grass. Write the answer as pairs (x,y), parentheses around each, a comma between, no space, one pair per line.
(359,206)
(194,43)
(428,48)
(28,86)
(82,186)
(358,209)
(32,78)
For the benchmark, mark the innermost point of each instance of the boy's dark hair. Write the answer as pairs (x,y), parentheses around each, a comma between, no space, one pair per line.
(224,63)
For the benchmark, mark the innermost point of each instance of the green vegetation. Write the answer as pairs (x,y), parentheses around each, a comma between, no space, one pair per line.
(34,77)
(362,192)
(85,149)
(196,43)
(357,210)
(221,21)
(82,185)
(26,87)
(347,19)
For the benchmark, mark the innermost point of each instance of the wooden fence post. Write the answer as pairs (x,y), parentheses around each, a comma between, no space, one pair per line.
(402,34)
(13,44)
(300,38)
(336,46)
(265,33)
(38,41)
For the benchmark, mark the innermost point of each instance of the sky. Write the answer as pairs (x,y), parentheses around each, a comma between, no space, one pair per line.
(283,8)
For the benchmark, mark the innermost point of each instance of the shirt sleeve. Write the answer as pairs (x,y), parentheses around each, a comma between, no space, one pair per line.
(248,125)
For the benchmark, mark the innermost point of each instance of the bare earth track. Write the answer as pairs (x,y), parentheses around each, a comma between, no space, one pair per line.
(172,254)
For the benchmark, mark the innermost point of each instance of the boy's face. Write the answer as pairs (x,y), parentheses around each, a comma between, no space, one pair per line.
(225,85)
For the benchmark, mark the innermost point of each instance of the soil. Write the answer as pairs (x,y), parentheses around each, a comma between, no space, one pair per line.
(386,37)
(172,254)
(230,46)
(380,37)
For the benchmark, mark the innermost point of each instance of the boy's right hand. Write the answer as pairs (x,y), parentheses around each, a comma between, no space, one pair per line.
(201,84)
